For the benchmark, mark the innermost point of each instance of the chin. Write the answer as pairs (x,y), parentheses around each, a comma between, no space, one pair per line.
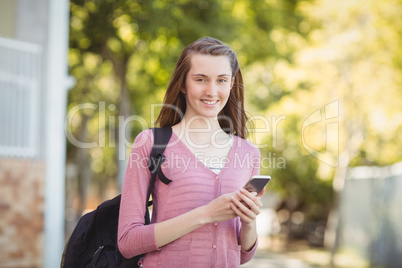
(210,115)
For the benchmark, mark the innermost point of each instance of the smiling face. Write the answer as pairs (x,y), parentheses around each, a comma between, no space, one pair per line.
(208,85)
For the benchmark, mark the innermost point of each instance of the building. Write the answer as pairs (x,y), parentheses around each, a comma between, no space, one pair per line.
(33,97)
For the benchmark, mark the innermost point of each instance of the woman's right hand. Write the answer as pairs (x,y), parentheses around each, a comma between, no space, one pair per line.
(219,209)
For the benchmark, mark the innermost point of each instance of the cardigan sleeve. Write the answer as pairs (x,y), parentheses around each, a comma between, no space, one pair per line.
(134,237)
(246,256)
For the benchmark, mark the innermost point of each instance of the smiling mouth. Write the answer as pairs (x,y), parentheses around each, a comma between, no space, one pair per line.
(209,102)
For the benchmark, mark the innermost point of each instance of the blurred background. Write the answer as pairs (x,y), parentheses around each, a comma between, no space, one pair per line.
(80,79)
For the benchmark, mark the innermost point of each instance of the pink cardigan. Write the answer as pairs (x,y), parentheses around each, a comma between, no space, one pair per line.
(193,185)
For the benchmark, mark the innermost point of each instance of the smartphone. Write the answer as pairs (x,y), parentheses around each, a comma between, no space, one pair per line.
(257,183)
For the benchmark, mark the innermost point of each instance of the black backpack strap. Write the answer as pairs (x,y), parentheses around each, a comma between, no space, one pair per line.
(156,159)
(95,258)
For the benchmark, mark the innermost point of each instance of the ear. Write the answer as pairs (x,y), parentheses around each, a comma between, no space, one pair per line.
(183,90)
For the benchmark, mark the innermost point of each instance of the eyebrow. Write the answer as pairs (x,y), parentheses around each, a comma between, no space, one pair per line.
(203,75)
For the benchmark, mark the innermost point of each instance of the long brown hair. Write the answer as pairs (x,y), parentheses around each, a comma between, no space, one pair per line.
(232,118)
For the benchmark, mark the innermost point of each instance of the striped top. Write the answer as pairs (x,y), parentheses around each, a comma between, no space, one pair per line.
(193,185)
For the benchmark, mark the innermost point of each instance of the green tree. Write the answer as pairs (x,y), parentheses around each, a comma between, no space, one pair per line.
(122,54)
(351,56)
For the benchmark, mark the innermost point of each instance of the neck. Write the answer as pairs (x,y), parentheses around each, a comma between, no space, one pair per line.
(200,130)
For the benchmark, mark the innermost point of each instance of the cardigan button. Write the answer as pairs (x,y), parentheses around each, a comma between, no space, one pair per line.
(217,177)
(214,246)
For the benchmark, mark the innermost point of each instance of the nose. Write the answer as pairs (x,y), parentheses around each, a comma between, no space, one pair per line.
(211,89)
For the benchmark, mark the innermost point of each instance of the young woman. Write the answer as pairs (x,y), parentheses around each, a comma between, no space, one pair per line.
(203,218)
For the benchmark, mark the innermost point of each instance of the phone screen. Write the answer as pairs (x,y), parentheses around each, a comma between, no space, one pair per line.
(257,183)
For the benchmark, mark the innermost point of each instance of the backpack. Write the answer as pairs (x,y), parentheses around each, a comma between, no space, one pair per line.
(93,242)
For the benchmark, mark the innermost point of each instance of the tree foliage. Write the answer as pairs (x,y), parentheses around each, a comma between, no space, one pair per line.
(299,59)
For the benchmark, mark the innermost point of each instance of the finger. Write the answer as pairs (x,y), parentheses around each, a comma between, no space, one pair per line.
(261,193)
(251,200)
(254,197)
(253,206)
(245,199)
(238,212)
(247,211)
(235,195)
(250,195)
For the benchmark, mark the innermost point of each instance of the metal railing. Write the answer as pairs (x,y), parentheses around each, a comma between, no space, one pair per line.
(20,81)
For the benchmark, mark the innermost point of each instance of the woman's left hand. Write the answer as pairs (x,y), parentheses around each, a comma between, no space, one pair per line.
(246,205)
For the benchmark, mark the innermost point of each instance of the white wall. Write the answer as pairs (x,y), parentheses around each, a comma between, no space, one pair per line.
(56,84)
(371,214)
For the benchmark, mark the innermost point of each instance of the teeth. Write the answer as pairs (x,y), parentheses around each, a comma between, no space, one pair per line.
(209,102)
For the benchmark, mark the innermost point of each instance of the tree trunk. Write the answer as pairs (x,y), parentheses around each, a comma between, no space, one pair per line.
(123,130)
(84,168)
